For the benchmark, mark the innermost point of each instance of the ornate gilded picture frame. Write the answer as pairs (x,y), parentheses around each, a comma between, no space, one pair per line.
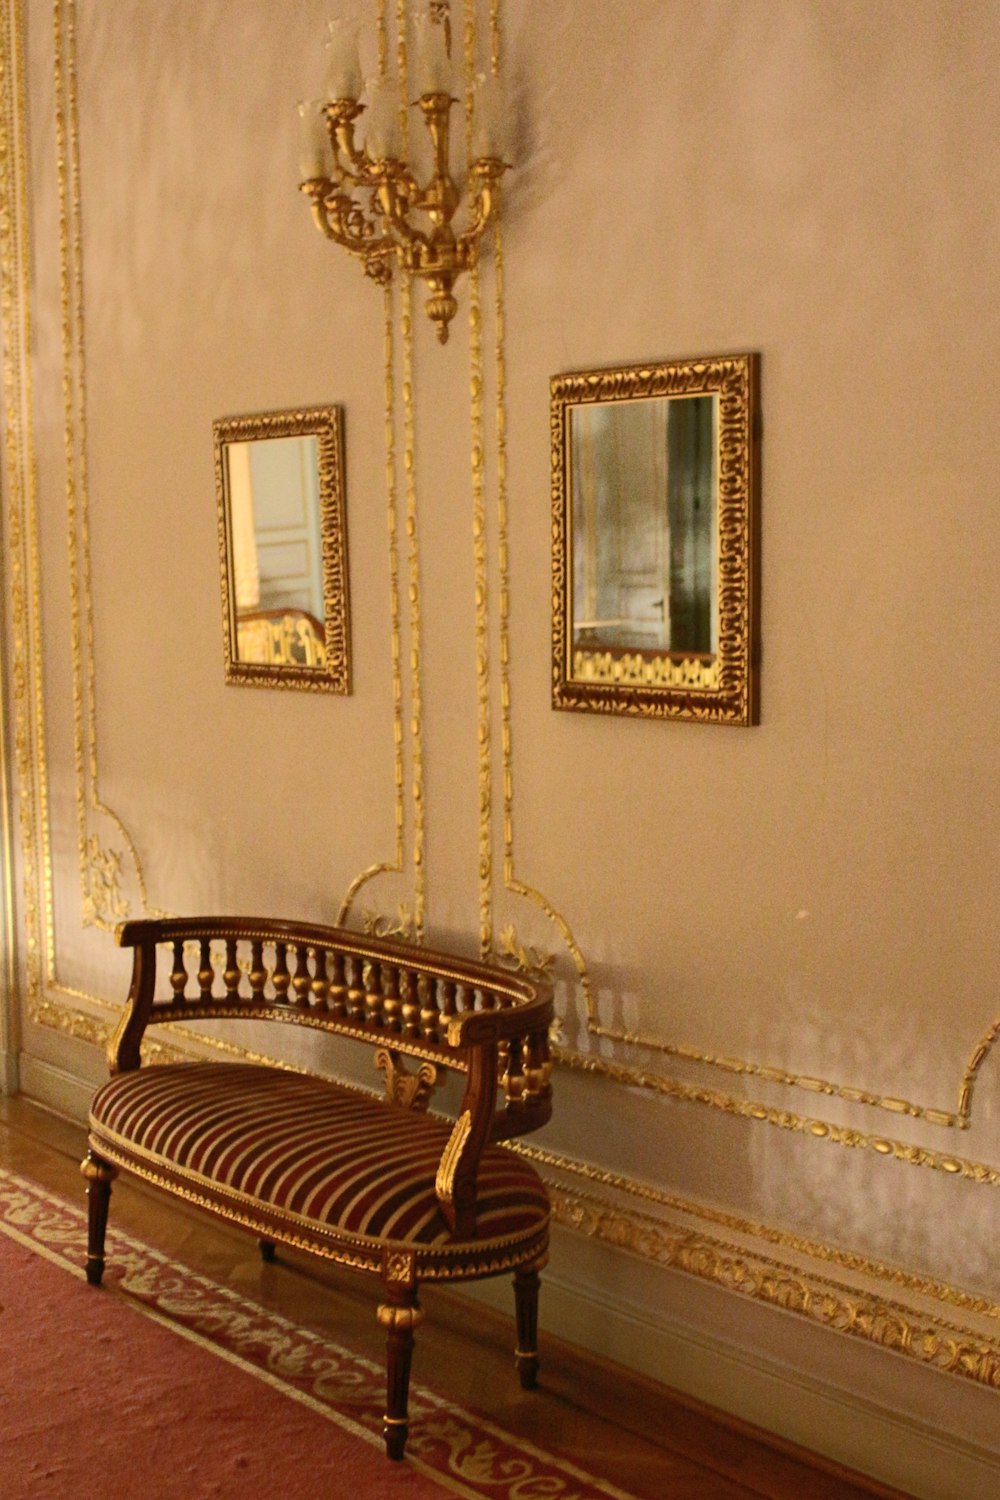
(655,540)
(279,480)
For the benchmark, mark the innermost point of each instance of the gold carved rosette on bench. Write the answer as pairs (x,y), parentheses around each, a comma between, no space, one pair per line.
(374,1183)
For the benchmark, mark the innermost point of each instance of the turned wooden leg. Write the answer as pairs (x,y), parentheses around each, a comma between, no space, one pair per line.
(267,1250)
(99,1175)
(526,1306)
(400,1316)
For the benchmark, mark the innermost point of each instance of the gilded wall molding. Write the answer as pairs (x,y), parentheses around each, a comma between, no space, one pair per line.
(21,486)
(935,1342)
(102,902)
(809,1127)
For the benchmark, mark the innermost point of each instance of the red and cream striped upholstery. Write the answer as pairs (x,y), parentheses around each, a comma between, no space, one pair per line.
(314,1163)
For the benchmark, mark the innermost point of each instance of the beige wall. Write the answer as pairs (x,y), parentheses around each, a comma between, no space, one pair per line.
(804,916)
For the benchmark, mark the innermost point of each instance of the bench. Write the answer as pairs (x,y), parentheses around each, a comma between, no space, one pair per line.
(377,1183)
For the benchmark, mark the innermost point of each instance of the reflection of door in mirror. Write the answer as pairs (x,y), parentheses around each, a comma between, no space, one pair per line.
(277,551)
(645,559)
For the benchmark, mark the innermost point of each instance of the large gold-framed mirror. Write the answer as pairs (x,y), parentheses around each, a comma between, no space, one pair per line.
(283,542)
(655,526)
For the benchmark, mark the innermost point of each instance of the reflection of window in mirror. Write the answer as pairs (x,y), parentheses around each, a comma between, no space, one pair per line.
(284,549)
(644,525)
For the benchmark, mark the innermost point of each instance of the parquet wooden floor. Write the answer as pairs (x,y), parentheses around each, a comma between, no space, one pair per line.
(642,1437)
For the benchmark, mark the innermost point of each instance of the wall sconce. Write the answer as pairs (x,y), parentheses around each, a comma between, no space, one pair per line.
(367,197)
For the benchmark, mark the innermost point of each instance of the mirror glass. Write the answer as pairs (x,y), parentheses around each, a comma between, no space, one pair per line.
(654,472)
(284,549)
(643,477)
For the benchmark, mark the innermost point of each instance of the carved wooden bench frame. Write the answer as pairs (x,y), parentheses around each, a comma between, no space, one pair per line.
(407,1002)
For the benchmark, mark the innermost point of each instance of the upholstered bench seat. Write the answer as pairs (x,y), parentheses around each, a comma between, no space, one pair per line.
(321,1165)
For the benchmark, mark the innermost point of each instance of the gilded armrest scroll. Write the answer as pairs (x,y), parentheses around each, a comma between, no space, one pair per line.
(455,1184)
(123,1048)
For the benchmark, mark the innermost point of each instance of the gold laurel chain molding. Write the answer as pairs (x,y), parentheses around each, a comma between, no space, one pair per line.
(479,537)
(100,870)
(925,1286)
(980,1052)
(782,1076)
(934,1342)
(394,866)
(751,1109)
(416,660)
(21,477)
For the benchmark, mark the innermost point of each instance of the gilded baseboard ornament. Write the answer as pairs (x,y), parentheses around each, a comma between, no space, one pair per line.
(935,1342)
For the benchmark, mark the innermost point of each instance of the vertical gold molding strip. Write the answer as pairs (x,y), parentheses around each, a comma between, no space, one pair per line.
(479,540)
(94,860)
(22,508)
(511,882)
(415,922)
(394,866)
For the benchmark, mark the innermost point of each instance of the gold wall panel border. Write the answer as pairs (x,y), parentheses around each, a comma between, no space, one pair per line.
(811,1128)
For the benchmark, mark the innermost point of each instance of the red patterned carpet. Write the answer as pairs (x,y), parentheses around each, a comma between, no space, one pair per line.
(163,1383)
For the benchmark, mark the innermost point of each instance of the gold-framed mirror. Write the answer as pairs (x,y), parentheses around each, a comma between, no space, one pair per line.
(279,480)
(655,539)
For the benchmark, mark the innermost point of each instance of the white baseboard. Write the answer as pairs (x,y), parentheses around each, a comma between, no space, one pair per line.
(54,1087)
(9,1081)
(894,1448)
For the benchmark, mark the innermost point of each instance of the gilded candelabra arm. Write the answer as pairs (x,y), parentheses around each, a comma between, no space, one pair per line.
(393,193)
(350,159)
(340,219)
(485,174)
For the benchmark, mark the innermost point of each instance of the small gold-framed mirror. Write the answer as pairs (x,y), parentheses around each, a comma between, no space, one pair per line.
(279,480)
(655,525)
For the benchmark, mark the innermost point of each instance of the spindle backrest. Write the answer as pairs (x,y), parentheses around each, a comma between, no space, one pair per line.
(453,1012)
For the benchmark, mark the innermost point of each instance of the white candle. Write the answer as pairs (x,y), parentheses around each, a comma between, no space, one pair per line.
(313,140)
(382,137)
(343,66)
(488,118)
(432,72)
